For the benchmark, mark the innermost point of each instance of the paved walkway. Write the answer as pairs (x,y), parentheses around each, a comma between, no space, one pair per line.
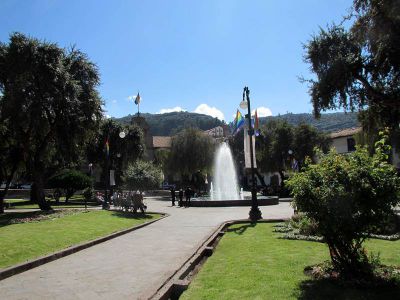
(134,265)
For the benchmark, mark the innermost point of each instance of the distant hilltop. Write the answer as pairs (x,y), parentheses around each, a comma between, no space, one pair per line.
(169,124)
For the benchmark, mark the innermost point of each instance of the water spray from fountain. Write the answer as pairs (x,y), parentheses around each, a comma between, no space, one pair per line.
(225,180)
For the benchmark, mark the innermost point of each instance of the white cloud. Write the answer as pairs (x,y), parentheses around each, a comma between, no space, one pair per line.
(168,110)
(114,101)
(211,111)
(262,112)
(108,116)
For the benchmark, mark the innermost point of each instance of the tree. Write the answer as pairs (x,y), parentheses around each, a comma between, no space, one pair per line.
(305,139)
(191,151)
(359,68)
(49,105)
(70,181)
(10,157)
(348,196)
(273,147)
(279,137)
(142,175)
(122,151)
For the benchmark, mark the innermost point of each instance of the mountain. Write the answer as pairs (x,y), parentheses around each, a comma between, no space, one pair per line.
(328,122)
(172,123)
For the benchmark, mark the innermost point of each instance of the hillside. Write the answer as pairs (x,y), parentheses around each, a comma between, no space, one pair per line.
(328,122)
(171,123)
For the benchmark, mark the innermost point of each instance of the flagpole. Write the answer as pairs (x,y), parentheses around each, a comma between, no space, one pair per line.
(255,213)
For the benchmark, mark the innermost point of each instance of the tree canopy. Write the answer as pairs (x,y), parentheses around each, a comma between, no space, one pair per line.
(142,175)
(359,68)
(49,106)
(191,151)
(122,151)
(281,142)
(70,181)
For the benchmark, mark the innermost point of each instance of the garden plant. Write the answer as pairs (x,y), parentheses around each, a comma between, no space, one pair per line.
(348,196)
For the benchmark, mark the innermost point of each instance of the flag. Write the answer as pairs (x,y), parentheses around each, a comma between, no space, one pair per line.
(238,122)
(137,99)
(107,147)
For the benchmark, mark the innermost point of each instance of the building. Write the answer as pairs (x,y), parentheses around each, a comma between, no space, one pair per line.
(343,141)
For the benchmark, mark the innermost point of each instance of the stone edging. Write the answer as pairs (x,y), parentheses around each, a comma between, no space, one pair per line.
(174,286)
(25,266)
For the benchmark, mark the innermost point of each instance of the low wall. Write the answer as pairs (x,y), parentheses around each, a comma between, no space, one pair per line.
(262,201)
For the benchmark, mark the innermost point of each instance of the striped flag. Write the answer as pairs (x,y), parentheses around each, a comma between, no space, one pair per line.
(239,122)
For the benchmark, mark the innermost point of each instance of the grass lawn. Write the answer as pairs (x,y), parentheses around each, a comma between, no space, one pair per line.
(251,263)
(24,241)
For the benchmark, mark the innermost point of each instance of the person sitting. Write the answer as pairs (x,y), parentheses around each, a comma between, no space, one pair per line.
(138,203)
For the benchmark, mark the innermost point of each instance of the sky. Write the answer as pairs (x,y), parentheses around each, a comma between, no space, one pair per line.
(185,55)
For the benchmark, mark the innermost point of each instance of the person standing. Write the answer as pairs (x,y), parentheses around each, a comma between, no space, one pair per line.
(180,197)
(188,194)
(173,196)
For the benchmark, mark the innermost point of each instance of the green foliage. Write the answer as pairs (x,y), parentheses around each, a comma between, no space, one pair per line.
(88,194)
(278,137)
(49,105)
(70,181)
(347,196)
(142,175)
(304,224)
(191,151)
(359,67)
(122,151)
(174,122)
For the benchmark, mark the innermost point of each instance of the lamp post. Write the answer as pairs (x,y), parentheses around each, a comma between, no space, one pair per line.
(255,213)
(108,191)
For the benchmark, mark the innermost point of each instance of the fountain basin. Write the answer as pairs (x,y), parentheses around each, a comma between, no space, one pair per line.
(261,200)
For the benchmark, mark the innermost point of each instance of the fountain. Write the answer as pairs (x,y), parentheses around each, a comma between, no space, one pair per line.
(225,190)
(226,186)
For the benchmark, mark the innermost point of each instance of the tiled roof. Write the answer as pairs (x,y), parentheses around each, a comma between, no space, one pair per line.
(345,132)
(162,141)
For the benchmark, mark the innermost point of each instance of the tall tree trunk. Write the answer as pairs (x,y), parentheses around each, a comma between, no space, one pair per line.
(37,192)
(2,195)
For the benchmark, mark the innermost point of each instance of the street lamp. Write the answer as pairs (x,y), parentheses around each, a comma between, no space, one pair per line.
(108,190)
(255,213)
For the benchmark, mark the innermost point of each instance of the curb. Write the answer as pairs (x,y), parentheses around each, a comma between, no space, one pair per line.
(30,264)
(178,282)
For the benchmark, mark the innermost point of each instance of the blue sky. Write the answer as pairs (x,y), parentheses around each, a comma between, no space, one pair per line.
(191,55)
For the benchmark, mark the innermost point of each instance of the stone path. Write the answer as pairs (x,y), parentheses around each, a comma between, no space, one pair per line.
(132,266)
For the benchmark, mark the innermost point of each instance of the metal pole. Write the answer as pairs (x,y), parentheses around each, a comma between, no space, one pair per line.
(255,213)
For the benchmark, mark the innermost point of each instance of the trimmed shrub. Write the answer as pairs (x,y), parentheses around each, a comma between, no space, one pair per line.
(348,197)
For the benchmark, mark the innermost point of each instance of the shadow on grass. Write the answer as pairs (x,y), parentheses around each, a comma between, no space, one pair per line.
(242,228)
(72,204)
(131,215)
(6,219)
(323,289)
